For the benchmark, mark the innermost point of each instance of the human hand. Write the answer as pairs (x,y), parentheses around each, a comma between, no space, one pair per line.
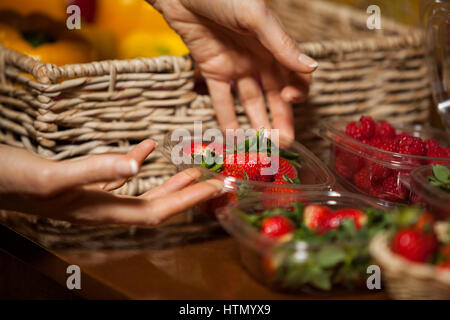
(77,190)
(242,42)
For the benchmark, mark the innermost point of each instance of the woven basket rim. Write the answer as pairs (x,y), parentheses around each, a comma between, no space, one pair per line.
(48,74)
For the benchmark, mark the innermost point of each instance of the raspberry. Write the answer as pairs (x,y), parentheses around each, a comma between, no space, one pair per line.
(362,179)
(376,141)
(411,145)
(384,130)
(368,127)
(343,169)
(437,153)
(393,190)
(347,164)
(378,172)
(431,145)
(363,131)
(389,145)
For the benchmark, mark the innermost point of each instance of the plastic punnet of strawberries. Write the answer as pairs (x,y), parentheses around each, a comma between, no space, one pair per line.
(245,163)
(377,169)
(414,238)
(315,246)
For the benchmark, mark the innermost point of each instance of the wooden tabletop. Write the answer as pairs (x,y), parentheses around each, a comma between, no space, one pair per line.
(187,265)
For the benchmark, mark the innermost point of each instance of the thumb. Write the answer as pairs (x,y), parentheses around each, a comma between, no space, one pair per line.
(274,37)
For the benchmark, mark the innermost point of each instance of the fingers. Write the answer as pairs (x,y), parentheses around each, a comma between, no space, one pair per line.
(99,168)
(175,183)
(281,111)
(97,207)
(273,36)
(253,102)
(166,206)
(223,103)
(298,89)
(138,153)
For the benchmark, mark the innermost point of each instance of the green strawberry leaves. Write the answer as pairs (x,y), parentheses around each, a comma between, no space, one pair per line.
(440,177)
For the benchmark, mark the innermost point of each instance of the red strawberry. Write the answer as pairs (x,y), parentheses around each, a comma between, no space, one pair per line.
(411,145)
(444,252)
(425,222)
(285,168)
(383,129)
(200,148)
(444,265)
(249,164)
(282,189)
(275,227)
(315,215)
(335,219)
(414,245)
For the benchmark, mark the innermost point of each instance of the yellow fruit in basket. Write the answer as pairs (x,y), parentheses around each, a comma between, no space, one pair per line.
(146,44)
(125,16)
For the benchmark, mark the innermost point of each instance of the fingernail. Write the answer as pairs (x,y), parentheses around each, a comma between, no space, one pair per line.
(303,58)
(127,168)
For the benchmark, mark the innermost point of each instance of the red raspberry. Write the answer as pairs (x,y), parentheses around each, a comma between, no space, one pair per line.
(378,172)
(432,145)
(376,141)
(393,190)
(389,145)
(343,169)
(362,179)
(384,130)
(411,145)
(363,131)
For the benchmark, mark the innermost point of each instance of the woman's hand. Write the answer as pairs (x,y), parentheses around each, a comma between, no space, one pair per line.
(242,42)
(77,190)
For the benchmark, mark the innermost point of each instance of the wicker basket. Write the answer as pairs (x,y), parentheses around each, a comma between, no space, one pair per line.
(109,106)
(407,280)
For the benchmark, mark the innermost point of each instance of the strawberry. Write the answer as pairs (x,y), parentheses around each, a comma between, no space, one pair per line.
(335,219)
(285,168)
(275,227)
(414,245)
(425,222)
(200,148)
(444,265)
(315,215)
(248,164)
(282,189)
(444,252)
(383,129)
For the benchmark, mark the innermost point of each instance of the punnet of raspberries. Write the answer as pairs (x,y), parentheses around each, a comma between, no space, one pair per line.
(378,173)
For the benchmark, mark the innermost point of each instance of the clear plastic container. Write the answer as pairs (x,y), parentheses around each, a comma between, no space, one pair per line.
(286,264)
(313,175)
(348,157)
(434,199)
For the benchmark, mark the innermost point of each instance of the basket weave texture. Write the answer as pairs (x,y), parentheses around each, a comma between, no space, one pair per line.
(407,280)
(62,112)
